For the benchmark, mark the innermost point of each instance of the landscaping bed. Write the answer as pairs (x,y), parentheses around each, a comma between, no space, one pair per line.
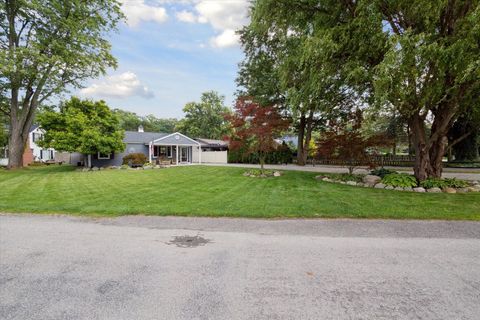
(392,180)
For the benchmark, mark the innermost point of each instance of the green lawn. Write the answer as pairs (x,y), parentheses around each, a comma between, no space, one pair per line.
(216,191)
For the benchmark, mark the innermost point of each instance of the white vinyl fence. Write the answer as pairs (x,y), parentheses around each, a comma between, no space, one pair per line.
(214,156)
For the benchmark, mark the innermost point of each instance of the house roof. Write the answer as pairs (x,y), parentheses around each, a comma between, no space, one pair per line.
(212,142)
(33,127)
(142,137)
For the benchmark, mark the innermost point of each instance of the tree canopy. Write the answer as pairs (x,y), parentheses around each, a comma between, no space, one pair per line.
(205,119)
(81,126)
(130,121)
(49,46)
(255,128)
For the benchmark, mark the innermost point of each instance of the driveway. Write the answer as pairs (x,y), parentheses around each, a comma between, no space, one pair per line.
(459,173)
(56,267)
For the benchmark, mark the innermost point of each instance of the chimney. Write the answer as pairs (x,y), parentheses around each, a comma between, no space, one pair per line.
(140,128)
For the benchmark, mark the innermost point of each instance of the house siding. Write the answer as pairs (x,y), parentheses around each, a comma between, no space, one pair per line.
(118,156)
(172,140)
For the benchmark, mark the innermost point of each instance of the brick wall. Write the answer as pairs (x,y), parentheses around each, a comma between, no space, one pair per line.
(27,155)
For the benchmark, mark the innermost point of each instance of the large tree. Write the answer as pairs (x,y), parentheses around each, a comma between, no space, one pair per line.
(82,126)
(430,71)
(289,62)
(421,58)
(205,119)
(46,47)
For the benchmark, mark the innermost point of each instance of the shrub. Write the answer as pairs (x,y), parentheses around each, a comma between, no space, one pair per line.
(400,180)
(454,183)
(433,183)
(135,159)
(382,172)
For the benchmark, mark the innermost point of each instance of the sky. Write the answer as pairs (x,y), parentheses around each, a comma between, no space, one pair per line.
(169,52)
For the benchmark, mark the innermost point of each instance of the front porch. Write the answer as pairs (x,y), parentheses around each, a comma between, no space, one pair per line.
(175,149)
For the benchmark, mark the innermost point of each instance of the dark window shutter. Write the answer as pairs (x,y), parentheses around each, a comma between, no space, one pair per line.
(41,154)
(95,156)
(112,156)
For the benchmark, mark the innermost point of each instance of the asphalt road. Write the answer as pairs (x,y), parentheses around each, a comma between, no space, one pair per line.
(55,267)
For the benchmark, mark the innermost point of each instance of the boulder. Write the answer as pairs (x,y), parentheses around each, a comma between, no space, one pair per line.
(147,167)
(389,187)
(157,167)
(399,188)
(380,186)
(95,169)
(450,190)
(351,183)
(371,179)
(101,168)
(462,190)
(476,187)
(343,182)
(475,182)
(277,174)
(360,184)
(419,189)
(86,169)
(434,190)
(410,189)
(473,189)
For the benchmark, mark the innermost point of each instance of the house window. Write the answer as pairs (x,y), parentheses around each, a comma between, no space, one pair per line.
(103,156)
(37,137)
(160,151)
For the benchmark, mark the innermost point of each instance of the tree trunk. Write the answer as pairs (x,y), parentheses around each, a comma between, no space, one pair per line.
(301,136)
(429,152)
(19,129)
(16,148)
(262,162)
(422,157)
(308,136)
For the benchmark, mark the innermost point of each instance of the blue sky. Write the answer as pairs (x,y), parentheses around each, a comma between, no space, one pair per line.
(169,52)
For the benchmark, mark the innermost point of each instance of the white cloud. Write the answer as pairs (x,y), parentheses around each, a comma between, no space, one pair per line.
(186,16)
(138,11)
(123,85)
(224,16)
(227,38)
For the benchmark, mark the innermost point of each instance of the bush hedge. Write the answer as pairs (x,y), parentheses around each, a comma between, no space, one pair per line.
(400,180)
(135,159)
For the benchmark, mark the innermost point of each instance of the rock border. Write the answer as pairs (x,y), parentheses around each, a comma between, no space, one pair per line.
(274,174)
(371,181)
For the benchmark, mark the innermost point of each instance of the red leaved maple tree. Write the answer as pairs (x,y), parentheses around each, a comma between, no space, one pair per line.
(345,141)
(255,128)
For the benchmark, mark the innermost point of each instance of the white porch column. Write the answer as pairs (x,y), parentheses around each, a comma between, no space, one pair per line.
(176,153)
(150,152)
(199,154)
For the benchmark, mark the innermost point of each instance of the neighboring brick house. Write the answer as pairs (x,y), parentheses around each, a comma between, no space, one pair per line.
(33,152)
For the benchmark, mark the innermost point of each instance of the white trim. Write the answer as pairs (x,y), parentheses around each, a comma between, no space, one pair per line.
(150,152)
(104,158)
(177,133)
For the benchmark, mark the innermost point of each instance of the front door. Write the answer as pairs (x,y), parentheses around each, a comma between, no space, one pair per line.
(184,154)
